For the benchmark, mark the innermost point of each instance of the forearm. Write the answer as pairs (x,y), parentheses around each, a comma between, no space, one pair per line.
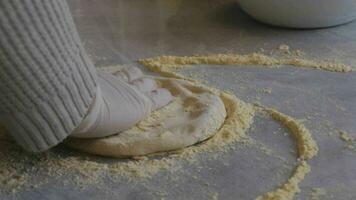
(47,80)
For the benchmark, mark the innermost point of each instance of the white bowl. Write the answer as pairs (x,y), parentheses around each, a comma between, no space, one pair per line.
(301,13)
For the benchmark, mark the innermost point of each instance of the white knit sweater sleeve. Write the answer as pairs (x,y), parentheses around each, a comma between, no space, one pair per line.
(47,80)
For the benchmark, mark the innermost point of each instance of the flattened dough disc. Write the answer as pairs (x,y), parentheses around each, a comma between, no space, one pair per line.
(194,115)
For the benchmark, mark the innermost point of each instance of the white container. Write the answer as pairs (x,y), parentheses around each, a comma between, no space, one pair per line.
(301,13)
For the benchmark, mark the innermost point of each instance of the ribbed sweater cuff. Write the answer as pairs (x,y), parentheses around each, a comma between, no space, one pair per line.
(51,122)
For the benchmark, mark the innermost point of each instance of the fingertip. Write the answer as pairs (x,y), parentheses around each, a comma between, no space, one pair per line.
(145,84)
(160,97)
(129,73)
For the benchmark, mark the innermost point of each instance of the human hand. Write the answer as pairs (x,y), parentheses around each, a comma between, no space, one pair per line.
(123,99)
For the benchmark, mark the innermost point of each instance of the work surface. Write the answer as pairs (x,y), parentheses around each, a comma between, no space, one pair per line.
(120,32)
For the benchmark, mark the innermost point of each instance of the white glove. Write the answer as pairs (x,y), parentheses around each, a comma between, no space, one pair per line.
(122,100)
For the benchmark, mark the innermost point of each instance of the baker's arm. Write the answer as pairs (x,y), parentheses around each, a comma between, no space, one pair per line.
(47,81)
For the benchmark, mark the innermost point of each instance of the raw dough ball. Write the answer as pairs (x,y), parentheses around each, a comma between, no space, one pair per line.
(194,115)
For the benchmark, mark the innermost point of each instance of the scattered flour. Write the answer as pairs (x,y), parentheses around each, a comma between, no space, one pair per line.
(284,48)
(307,147)
(317,194)
(239,118)
(345,136)
(245,60)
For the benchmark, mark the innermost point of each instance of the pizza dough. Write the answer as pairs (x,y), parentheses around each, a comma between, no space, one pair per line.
(194,115)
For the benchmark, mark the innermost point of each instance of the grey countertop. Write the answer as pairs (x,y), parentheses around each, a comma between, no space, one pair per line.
(121,31)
